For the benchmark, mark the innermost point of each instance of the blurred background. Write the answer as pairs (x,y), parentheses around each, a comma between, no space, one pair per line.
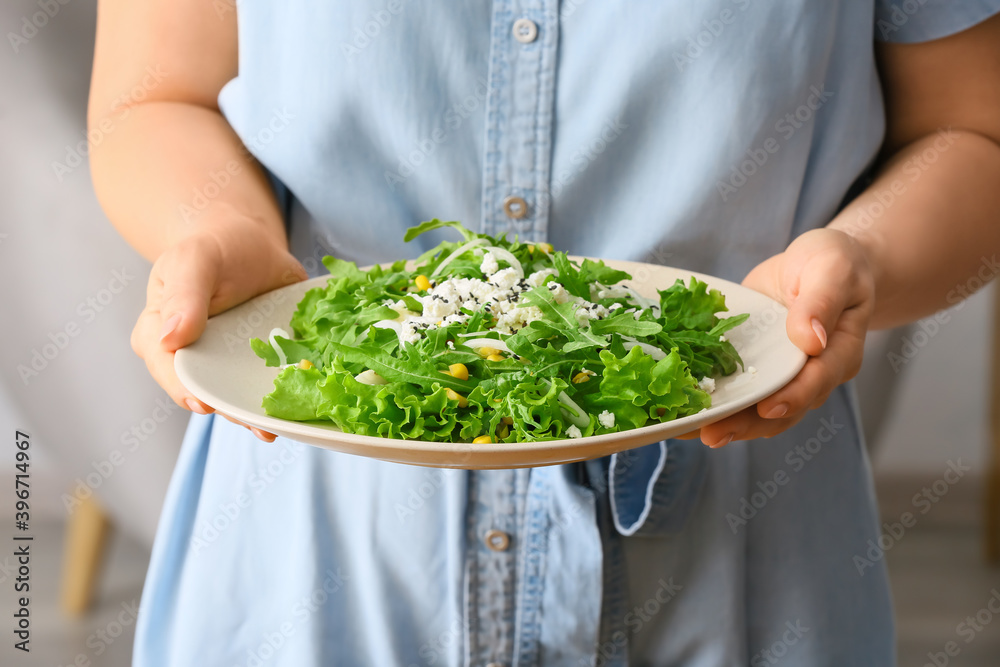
(104,437)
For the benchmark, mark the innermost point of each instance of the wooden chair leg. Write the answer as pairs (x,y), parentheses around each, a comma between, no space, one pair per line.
(86,536)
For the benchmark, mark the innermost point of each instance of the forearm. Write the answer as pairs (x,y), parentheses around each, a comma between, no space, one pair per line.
(169,169)
(929,223)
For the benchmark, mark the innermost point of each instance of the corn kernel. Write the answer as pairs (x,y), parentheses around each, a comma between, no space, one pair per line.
(531,249)
(305,364)
(455,396)
(508,420)
(582,376)
(459,371)
(487,351)
(482,440)
(422,282)
(545,247)
(495,357)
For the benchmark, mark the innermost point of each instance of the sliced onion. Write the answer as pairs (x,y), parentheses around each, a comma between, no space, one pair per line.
(461,249)
(581,419)
(506,256)
(652,351)
(487,342)
(370,377)
(282,359)
(391,324)
(473,333)
(640,299)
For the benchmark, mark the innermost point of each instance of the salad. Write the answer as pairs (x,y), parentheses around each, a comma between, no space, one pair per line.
(491,340)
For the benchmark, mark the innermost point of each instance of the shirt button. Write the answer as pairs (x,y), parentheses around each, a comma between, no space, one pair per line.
(497,540)
(515,207)
(525,31)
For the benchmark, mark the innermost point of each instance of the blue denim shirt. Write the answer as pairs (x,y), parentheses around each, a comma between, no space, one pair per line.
(702,135)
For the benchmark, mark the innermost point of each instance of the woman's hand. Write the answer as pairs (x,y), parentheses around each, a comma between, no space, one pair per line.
(825,281)
(218,267)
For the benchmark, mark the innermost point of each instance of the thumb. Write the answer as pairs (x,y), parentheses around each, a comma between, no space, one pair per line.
(824,292)
(188,285)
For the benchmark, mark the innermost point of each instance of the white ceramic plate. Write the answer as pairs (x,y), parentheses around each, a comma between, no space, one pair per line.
(221,370)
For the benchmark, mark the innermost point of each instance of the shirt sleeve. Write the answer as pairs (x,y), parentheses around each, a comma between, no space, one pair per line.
(652,489)
(912,21)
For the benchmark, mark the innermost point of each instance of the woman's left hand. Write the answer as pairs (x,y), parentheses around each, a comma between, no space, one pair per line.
(825,280)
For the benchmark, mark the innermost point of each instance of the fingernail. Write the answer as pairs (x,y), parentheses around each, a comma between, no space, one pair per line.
(195,406)
(820,331)
(725,441)
(169,326)
(780,410)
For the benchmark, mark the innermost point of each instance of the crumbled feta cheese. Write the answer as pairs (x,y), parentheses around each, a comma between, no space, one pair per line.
(451,345)
(615,306)
(638,314)
(505,279)
(559,293)
(607,419)
(499,296)
(751,369)
(574,432)
(440,308)
(722,339)
(489,265)
(538,277)
(516,318)
(409,333)
(457,318)
(707,384)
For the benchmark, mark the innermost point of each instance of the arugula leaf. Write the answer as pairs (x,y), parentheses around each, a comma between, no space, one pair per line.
(295,351)
(409,369)
(423,227)
(729,323)
(563,314)
(626,325)
(591,271)
(570,277)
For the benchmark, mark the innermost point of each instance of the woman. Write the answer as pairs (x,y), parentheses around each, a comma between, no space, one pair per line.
(722,136)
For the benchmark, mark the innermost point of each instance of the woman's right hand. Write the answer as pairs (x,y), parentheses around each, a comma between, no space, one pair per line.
(221,265)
